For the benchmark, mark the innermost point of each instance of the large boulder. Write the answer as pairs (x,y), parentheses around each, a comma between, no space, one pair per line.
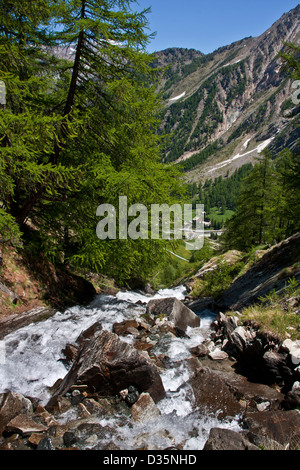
(226,439)
(178,313)
(229,394)
(108,365)
(280,426)
(213,395)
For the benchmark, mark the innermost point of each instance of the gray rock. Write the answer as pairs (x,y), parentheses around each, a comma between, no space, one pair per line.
(225,390)
(132,395)
(264,276)
(264,442)
(293,348)
(69,438)
(178,313)
(144,409)
(45,444)
(218,355)
(12,322)
(240,336)
(212,394)
(259,353)
(276,365)
(280,426)
(226,439)
(292,399)
(13,297)
(201,350)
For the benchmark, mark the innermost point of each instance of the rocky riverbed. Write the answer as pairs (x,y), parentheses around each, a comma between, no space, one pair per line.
(135,372)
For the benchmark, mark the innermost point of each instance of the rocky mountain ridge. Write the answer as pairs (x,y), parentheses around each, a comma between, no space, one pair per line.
(224,108)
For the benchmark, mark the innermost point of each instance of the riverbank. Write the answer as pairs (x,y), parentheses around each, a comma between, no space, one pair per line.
(263,286)
(31,282)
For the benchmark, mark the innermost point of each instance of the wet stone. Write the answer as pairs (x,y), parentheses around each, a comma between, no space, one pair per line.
(199,351)
(45,444)
(76,397)
(69,438)
(132,395)
(144,409)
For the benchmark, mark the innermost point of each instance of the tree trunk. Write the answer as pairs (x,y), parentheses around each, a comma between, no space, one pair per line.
(72,89)
(24,211)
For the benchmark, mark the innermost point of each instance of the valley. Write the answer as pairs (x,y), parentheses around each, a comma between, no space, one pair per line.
(220,104)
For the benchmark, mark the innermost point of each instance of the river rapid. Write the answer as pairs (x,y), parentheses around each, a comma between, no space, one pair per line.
(34,362)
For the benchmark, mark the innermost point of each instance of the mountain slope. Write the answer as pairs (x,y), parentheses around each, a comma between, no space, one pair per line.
(224,108)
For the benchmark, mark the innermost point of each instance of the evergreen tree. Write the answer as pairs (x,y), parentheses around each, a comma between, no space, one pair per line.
(223,205)
(288,168)
(268,208)
(78,129)
(252,222)
(291,62)
(27,128)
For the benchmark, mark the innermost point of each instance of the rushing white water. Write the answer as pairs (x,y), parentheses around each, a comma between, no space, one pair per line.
(178,292)
(34,361)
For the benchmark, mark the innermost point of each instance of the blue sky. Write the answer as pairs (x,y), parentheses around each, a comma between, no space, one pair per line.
(206,25)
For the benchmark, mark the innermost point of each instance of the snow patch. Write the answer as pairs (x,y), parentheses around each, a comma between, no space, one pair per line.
(245,144)
(232,63)
(178,97)
(264,144)
(258,149)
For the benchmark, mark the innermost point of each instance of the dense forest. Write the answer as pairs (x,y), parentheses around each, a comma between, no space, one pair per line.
(221,193)
(268,206)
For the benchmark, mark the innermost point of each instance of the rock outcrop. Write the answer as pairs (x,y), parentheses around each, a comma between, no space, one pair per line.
(267,274)
(108,365)
(229,394)
(260,355)
(12,322)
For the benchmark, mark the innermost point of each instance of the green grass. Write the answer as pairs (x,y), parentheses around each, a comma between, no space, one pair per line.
(276,312)
(217,214)
(183,252)
(218,280)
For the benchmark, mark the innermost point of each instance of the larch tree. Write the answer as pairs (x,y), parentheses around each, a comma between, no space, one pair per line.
(79,129)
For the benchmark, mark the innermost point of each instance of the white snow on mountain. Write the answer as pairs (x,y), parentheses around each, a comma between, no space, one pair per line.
(258,149)
(178,97)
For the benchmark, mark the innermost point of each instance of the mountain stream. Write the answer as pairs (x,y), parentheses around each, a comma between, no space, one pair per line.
(34,362)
